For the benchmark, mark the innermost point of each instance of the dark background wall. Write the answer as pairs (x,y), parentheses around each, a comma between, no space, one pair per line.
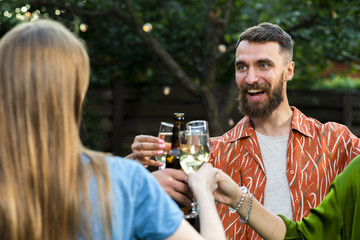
(114,117)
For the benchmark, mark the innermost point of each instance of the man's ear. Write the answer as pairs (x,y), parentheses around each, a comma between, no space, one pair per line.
(289,72)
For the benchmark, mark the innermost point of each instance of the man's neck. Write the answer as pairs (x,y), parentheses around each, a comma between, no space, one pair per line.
(278,123)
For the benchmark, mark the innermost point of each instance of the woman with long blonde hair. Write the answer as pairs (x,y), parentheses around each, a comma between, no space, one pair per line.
(51,187)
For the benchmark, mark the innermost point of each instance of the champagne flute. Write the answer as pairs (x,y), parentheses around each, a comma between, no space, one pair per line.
(165,133)
(194,151)
(200,142)
(201,125)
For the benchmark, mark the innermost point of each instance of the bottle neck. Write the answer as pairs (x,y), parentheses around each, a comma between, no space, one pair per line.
(178,126)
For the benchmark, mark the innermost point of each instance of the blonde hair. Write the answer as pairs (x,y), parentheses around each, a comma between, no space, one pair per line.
(44,75)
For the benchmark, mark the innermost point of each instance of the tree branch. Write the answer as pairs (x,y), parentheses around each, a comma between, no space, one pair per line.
(229,103)
(227,12)
(213,40)
(133,22)
(132,14)
(173,67)
(208,24)
(212,112)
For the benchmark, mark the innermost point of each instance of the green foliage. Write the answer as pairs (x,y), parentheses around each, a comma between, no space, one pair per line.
(7,15)
(323,31)
(338,83)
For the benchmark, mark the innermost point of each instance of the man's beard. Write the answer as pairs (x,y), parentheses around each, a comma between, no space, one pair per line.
(260,109)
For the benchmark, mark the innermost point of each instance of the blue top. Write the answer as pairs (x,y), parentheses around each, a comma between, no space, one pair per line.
(140,208)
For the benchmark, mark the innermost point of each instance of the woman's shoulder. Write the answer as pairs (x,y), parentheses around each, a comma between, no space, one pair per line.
(348,179)
(124,167)
(353,167)
(119,168)
(116,161)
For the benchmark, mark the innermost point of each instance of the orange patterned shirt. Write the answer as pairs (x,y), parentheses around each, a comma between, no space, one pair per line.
(316,153)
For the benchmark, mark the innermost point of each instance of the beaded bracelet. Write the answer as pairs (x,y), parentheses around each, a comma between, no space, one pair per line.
(248,210)
(244,191)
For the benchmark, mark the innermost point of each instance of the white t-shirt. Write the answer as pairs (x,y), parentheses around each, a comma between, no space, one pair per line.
(277,197)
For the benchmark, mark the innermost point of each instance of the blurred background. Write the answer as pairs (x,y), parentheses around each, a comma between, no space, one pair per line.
(151,58)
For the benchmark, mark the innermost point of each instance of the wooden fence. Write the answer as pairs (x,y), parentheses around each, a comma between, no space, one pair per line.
(114,117)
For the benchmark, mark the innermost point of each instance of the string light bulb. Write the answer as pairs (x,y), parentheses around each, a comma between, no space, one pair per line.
(83,27)
(231,122)
(147,27)
(222,48)
(166,90)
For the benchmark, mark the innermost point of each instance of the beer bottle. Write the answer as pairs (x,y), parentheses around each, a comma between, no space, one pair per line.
(173,156)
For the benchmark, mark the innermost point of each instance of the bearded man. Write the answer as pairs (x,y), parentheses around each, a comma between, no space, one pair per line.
(284,158)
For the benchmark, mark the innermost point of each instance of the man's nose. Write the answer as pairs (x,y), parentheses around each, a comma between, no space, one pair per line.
(251,76)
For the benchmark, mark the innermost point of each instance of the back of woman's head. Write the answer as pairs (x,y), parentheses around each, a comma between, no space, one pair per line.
(44,74)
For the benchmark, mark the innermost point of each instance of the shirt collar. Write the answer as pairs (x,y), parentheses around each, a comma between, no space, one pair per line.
(244,128)
(301,123)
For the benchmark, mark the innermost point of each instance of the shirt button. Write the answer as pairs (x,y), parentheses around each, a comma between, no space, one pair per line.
(291,171)
(296,200)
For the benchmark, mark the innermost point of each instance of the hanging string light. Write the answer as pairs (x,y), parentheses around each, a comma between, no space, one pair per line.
(166,90)
(231,122)
(222,48)
(147,27)
(83,27)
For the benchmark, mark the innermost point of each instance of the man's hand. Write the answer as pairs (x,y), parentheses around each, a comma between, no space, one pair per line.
(173,182)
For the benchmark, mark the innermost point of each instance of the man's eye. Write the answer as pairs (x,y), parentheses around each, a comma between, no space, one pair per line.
(241,68)
(264,66)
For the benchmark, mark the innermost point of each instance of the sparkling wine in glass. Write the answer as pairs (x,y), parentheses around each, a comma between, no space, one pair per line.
(165,133)
(194,151)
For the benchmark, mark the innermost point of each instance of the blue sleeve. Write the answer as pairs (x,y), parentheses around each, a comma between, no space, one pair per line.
(155,214)
(158,216)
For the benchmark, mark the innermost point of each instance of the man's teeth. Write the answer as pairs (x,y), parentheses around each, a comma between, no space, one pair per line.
(254,91)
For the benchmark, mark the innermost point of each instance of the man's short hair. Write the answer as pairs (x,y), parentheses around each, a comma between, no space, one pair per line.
(268,32)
